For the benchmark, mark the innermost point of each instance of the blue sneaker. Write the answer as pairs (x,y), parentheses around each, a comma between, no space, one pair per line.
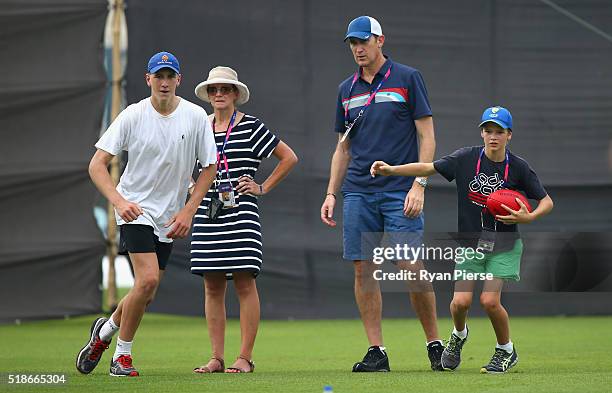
(501,362)
(451,357)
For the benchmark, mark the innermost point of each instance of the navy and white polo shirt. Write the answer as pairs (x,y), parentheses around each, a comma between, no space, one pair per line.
(386,131)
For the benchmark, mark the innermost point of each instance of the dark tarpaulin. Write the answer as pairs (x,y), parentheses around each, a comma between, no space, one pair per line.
(50,109)
(553,73)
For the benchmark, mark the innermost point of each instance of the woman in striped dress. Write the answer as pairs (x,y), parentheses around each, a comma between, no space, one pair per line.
(230,246)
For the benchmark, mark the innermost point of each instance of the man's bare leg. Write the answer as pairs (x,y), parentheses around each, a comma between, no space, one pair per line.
(369,301)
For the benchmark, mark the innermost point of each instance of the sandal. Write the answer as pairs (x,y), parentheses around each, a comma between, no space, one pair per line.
(207,370)
(238,370)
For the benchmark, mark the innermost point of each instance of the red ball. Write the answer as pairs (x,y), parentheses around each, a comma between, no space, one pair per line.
(508,198)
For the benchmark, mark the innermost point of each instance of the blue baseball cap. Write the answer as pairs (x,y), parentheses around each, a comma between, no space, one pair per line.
(498,115)
(363,28)
(163,60)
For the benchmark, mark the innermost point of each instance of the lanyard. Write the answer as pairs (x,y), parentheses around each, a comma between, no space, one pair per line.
(222,151)
(363,108)
(507,161)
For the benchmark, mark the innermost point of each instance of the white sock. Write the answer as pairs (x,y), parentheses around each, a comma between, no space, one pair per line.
(461,334)
(434,341)
(123,348)
(108,330)
(506,347)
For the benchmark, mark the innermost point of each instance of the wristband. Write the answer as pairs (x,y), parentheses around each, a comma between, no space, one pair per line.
(332,194)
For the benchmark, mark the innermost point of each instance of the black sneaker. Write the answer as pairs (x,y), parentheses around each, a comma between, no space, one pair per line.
(374,360)
(501,362)
(89,356)
(451,357)
(122,367)
(434,352)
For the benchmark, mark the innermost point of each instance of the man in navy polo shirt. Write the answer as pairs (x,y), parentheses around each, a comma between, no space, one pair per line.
(382,111)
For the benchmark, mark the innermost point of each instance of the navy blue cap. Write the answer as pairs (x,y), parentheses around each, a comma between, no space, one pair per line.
(163,60)
(363,27)
(498,115)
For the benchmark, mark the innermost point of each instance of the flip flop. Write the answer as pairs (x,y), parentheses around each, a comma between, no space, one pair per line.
(206,370)
(238,370)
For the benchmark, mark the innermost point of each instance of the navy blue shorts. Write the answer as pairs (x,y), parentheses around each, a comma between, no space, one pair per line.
(137,238)
(367,216)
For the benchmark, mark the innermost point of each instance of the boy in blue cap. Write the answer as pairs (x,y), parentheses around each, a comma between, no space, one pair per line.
(164,135)
(478,172)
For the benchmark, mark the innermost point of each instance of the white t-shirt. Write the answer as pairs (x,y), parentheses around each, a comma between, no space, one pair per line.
(162,152)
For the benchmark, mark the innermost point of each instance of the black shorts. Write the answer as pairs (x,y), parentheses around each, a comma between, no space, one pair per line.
(136,238)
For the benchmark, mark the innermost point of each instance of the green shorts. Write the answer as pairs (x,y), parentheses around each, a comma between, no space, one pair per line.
(505,265)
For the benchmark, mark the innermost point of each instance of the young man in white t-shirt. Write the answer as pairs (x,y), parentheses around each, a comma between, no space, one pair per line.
(164,135)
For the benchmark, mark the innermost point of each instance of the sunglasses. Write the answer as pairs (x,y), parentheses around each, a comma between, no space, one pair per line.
(224,90)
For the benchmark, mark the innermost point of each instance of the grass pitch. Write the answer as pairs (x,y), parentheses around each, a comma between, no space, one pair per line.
(555,355)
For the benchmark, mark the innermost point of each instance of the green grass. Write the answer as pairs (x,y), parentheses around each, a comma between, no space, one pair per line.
(555,355)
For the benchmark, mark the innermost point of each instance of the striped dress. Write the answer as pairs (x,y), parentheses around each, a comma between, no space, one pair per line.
(233,241)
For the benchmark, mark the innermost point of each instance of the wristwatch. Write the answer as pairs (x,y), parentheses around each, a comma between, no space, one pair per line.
(422,181)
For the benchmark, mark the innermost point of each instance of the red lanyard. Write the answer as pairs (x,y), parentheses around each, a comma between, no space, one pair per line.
(507,161)
(222,151)
(367,104)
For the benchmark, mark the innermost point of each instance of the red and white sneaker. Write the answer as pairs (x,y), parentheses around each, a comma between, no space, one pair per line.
(122,367)
(89,356)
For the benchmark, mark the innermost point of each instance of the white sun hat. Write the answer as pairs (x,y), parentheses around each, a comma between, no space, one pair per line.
(223,75)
